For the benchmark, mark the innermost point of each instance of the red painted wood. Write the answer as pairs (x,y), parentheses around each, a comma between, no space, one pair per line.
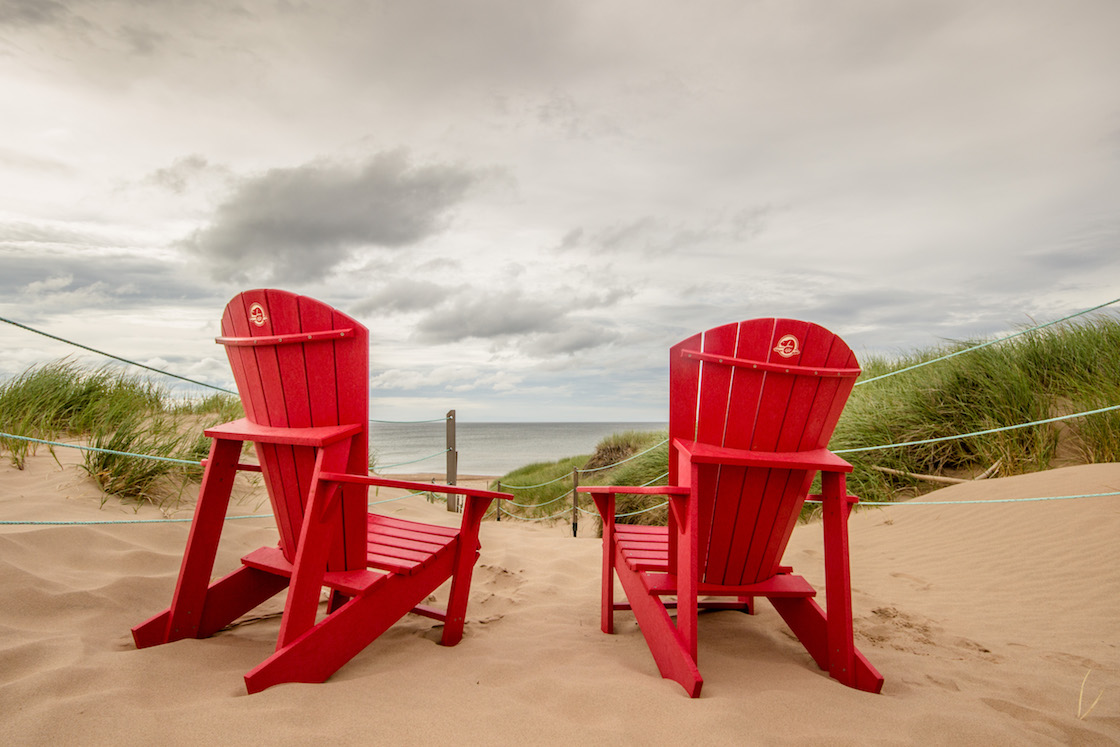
(246,430)
(604,503)
(765,366)
(737,492)
(784,491)
(820,421)
(392,526)
(670,652)
(420,487)
(327,335)
(815,459)
(323,649)
(302,370)
(752,407)
(684,389)
(202,543)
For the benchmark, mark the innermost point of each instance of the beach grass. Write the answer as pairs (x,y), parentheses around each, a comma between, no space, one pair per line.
(625,458)
(1043,374)
(116,412)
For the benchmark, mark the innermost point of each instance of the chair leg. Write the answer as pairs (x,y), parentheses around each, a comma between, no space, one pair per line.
(669,649)
(845,663)
(337,600)
(811,626)
(314,544)
(183,619)
(604,502)
(466,555)
(606,615)
(320,651)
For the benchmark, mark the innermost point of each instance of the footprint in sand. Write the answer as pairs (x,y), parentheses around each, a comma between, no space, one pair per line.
(918,583)
(902,631)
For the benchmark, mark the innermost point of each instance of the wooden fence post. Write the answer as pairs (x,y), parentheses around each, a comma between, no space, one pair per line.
(575,502)
(454,502)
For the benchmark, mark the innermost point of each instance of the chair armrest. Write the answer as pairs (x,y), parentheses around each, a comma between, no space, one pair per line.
(420,487)
(818,459)
(635,489)
(245,430)
(604,496)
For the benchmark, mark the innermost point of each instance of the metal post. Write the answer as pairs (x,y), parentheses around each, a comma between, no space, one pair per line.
(575,502)
(453,501)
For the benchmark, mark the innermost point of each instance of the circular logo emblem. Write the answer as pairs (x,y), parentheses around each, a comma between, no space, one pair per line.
(256,315)
(788,347)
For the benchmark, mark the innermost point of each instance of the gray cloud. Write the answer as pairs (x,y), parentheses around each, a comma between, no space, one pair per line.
(297,224)
(540,327)
(185,172)
(489,315)
(571,337)
(402,295)
(72,282)
(54,233)
(31,12)
(652,236)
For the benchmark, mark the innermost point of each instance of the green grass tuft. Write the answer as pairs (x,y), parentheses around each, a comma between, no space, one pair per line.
(114,411)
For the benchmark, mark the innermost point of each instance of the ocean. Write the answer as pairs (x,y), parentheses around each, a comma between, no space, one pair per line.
(486,448)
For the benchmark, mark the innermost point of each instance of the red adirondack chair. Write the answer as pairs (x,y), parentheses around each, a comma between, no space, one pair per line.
(752,406)
(302,369)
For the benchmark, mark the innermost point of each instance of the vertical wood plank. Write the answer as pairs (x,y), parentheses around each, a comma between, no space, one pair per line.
(189,599)
(838,580)
(785,402)
(352,385)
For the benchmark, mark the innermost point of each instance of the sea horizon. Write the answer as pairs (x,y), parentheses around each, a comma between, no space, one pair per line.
(488,448)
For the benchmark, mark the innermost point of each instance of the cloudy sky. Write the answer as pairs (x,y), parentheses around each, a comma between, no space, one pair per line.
(528,202)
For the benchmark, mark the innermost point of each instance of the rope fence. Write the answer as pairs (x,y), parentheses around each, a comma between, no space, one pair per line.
(498,511)
(116,357)
(988,344)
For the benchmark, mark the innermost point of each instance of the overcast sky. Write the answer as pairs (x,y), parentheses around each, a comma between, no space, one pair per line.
(528,202)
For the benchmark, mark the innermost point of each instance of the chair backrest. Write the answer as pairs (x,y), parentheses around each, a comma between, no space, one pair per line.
(772,385)
(307,365)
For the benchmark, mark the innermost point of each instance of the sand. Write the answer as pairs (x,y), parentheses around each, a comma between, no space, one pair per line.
(984,620)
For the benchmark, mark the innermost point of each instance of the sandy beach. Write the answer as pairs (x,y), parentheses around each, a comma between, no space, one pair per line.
(984,620)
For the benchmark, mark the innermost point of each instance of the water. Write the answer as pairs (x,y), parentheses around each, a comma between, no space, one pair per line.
(486,448)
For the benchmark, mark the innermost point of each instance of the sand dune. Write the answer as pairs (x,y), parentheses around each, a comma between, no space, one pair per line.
(984,619)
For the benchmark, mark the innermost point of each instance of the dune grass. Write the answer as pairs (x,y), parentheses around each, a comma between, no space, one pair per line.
(114,411)
(1043,374)
(1060,370)
(544,489)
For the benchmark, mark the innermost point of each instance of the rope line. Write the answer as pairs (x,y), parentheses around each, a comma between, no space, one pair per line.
(978,433)
(622,461)
(115,357)
(986,344)
(414,461)
(527,487)
(538,505)
(540,518)
(582,472)
(168,373)
(408,422)
(394,500)
(583,510)
(122,521)
(102,451)
(992,500)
